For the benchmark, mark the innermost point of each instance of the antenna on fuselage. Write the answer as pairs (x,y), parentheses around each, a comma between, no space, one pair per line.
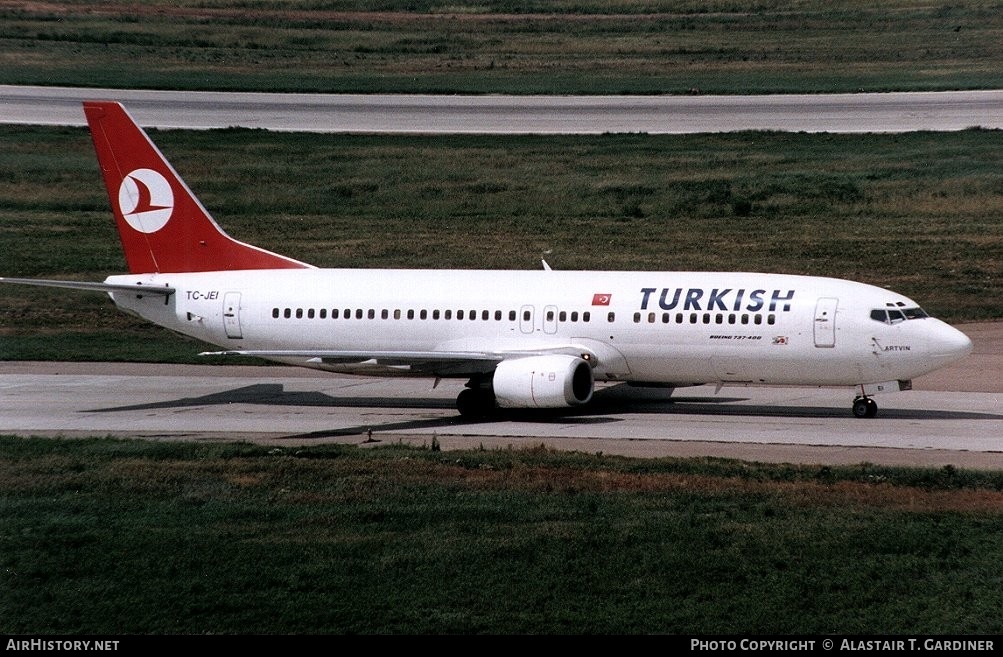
(543,262)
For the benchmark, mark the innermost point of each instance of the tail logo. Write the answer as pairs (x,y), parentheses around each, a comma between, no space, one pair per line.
(146,200)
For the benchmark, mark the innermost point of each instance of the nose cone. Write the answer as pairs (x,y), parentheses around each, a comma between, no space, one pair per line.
(948,344)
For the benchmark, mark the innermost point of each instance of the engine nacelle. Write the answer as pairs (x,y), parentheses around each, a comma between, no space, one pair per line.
(543,382)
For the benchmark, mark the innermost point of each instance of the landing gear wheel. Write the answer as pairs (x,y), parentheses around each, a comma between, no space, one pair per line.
(864,407)
(475,403)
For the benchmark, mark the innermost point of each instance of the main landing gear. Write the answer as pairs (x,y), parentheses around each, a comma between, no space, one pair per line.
(477,399)
(475,403)
(864,407)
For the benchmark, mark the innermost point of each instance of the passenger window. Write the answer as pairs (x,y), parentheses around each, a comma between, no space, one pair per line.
(511,316)
(299,313)
(423,314)
(586,317)
(309,314)
(275,313)
(485,315)
(448,314)
(384,314)
(637,318)
(610,317)
(323,313)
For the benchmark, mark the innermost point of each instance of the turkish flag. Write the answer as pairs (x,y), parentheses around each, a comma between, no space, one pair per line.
(601,299)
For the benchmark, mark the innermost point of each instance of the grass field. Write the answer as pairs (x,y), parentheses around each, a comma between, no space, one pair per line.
(138,537)
(506,46)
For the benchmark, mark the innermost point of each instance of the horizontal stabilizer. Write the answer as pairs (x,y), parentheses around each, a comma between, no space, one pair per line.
(138,288)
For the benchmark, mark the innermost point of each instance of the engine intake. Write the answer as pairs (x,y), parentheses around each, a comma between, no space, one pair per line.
(543,382)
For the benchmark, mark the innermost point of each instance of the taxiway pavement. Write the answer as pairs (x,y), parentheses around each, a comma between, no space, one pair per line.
(952,417)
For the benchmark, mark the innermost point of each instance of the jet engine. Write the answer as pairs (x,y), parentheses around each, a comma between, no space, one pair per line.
(543,382)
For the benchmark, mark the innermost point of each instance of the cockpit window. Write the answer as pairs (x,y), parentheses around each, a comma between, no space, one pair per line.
(896,315)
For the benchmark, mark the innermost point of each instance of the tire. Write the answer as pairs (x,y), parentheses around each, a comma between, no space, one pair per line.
(864,407)
(474,403)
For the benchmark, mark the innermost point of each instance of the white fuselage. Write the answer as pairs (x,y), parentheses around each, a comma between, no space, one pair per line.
(661,327)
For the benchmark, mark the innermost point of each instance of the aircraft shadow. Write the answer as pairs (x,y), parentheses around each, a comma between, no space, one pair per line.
(274,394)
(606,403)
(549,416)
(697,406)
(626,400)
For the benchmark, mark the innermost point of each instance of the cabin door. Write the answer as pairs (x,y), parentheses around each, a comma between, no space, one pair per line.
(825,322)
(231,315)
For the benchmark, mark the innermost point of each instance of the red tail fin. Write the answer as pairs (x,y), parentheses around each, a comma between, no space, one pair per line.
(162,225)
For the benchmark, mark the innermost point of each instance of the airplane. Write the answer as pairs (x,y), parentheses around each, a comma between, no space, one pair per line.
(522,339)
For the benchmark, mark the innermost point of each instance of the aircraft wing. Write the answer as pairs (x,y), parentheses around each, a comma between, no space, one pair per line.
(433,362)
(96,287)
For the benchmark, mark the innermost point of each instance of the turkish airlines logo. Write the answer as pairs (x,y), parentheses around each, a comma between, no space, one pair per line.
(146,200)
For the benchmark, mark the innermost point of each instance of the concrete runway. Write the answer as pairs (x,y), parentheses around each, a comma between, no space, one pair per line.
(430,114)
(952,417)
